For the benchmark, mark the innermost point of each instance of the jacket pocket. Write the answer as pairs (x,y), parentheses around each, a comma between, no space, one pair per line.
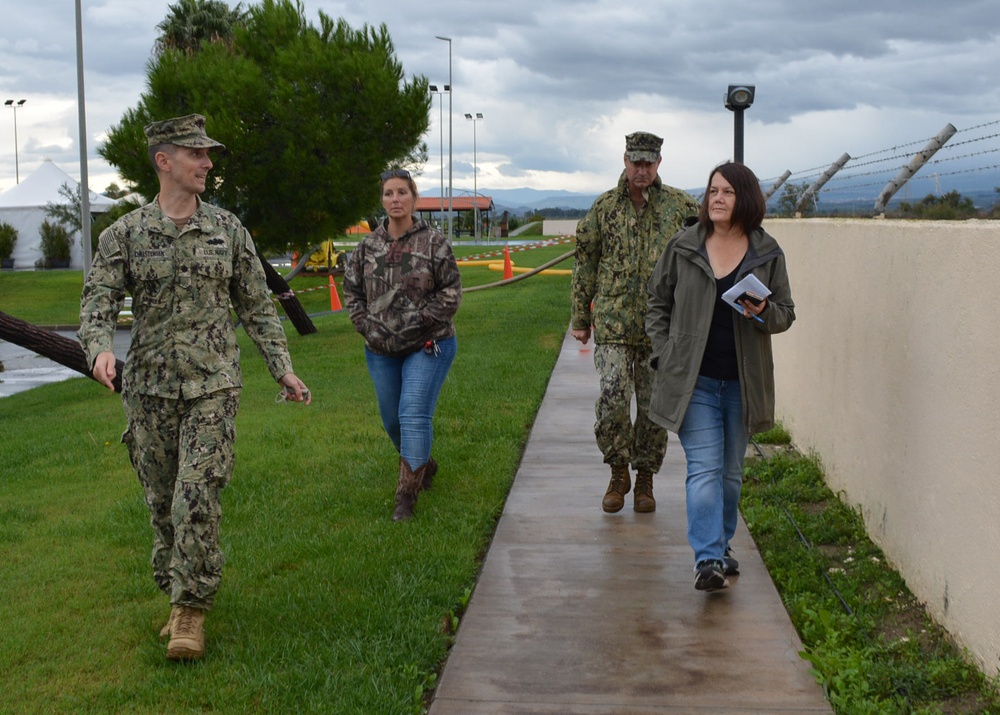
(210,279)
(154,279)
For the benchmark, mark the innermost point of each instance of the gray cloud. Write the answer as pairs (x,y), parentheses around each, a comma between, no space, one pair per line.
(561,82)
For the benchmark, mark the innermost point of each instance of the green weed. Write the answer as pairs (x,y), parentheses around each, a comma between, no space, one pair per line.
(870,643)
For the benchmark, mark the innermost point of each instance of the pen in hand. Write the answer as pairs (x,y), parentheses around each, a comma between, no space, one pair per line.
(748,314)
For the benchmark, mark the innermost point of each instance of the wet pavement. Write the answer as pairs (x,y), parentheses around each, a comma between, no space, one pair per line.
(25,369)
(578,612)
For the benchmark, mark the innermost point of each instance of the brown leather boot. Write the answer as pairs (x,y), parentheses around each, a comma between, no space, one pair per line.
(428,481)
(407,489)
(187,634)
(621,483)
(643,500)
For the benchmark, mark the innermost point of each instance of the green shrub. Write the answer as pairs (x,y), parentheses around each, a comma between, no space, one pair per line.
(8,237)
(56,244)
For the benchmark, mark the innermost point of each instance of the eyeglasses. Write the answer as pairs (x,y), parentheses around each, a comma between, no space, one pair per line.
(395,173)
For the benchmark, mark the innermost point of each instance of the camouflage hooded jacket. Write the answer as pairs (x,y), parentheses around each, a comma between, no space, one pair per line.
(182,283)
(401,293)
(616,249)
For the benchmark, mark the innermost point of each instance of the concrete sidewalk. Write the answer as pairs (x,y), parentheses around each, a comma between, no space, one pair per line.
(578,612)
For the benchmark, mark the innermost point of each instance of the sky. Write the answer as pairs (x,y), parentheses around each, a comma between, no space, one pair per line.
(561,82)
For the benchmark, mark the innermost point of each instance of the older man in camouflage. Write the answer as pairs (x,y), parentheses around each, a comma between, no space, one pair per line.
(617,245)
(184,262)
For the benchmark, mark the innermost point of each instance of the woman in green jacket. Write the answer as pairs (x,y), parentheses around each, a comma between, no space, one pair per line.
(714,383)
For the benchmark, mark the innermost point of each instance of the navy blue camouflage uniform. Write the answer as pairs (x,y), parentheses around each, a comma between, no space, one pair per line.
(182,380)
(617,247)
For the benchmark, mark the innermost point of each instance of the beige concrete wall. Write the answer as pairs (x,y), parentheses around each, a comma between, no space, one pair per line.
(559,227)
(891,375)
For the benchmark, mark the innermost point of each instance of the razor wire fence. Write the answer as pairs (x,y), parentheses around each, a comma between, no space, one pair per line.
(963,161)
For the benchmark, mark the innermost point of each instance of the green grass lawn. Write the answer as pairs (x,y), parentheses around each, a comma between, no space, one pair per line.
(870,642)
(53,297)
(327,605)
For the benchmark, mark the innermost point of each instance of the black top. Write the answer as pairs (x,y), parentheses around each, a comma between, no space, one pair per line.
(719,361)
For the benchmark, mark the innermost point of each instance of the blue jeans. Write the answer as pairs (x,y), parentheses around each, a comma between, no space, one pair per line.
(714,441)
(407,388)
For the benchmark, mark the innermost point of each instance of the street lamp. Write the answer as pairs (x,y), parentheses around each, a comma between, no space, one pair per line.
(451,214)
(738,98)
(475,171)
(81,110)
(434,90)
(10,103)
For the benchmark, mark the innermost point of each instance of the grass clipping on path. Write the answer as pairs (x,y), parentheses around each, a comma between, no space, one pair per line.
(326,605)
(871,644)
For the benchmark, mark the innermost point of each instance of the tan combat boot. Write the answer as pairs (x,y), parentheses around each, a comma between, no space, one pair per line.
(643,496)
(165,631)
(187,634)
(621,483)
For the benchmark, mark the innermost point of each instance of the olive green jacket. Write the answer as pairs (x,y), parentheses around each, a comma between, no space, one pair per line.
(682,295)
(616,248)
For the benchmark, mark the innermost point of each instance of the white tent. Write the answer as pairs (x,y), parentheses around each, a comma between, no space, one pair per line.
(23,207)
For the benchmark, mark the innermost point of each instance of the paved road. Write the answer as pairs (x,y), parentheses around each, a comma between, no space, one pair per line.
(24,369)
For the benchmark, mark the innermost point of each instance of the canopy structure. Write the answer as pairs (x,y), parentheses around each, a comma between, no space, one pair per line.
(428,207)
(23,207)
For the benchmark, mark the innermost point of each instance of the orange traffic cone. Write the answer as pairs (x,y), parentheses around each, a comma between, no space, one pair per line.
(334,297)
(508,270)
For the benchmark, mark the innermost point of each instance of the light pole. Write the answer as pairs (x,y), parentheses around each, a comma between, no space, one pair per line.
(475,171)
(738,98)
(434,90)
(451,213)
(85,219)
(10,103)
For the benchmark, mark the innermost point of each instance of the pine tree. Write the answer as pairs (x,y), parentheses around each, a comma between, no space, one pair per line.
(310,117)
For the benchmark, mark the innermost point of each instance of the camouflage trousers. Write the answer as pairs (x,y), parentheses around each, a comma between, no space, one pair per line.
(183,452)
(624,371)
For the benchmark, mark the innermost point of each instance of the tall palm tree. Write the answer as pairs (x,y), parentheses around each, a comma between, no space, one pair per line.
(190,22)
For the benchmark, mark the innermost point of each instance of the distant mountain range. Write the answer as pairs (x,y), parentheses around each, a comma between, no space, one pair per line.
(977,187)
(521,201)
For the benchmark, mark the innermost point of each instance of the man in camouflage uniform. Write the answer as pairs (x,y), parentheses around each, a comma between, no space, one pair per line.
(617,245)
(183,262)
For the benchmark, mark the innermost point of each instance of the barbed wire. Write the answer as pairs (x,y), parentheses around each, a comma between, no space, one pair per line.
(979,126)
(886,163)
(856,161)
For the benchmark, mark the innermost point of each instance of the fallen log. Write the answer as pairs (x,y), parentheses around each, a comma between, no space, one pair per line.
(57,348)
(289,301)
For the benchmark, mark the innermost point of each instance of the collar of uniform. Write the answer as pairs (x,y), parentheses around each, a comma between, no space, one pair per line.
(159,221)
(623,185)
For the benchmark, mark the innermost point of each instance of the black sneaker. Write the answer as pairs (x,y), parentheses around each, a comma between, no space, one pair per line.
(710,576)
(732,566)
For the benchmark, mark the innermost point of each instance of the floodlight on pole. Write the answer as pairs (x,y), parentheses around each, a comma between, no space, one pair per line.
(434,90)
(451,84)
(738,98)
(14,105)
(475,171)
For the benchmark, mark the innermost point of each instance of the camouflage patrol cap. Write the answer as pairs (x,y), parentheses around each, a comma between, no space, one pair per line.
(643,146)
(187,131)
